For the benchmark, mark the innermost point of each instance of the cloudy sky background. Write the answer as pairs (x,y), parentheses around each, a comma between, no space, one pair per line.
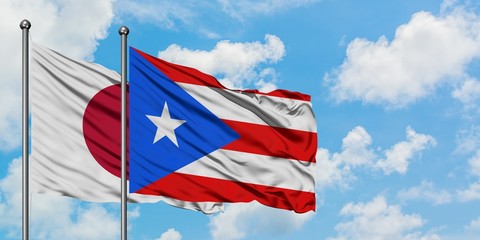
(395,89)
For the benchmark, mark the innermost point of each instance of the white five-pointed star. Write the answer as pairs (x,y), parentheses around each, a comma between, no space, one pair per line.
(165,125)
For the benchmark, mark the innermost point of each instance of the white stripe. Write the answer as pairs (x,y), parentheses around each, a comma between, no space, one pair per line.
(256,169)
(254,108)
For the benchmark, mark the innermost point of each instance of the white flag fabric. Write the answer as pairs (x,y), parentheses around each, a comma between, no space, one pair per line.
(74,149)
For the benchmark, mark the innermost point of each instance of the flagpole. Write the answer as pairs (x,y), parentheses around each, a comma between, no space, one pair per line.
(123,31)
(25,26)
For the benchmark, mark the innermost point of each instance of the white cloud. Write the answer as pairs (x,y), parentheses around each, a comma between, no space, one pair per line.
(355,151)
(243,219)
(11,196)
(448,5)
(425,191)
(92,222)
(53,217)
(474,163)
(468,139)
(238,71)
(134,213)
(71,27)
(331,171)
(170,234)
(337,169)
(411,66)
(473,226)
(378,220)
(398,157)
(470,194)
(68,26)
(468,94)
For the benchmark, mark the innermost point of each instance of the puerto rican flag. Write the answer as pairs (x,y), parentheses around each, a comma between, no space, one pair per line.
(193,140)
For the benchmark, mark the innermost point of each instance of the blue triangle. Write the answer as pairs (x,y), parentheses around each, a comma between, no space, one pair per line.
(201,134)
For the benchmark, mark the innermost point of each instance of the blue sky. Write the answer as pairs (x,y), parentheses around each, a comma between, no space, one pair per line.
(395,89)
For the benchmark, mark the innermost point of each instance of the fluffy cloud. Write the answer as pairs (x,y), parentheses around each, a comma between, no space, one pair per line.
(425,191)
(473,226)
(468,140)
(242,219)
(378,220)
(355,151)
(474,163)
(337,168)
(470,194)
(52,216)
(398,157)
(72,27)
(411,66)
(469,94)
(170,234)
(331,171)
(238,71)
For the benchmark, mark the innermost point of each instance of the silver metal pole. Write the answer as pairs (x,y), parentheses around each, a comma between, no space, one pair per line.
(25,26)
(123,31)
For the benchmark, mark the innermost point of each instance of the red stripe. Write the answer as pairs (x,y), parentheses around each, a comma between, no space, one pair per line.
(203,189)
(179,73)
(273,141)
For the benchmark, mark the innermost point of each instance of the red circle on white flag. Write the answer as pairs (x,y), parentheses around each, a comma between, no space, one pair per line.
(102,128)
